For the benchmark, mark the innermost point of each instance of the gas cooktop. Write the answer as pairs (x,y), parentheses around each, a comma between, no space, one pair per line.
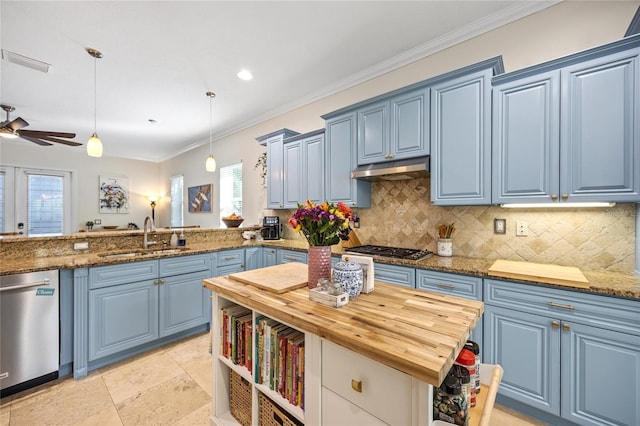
(393,252)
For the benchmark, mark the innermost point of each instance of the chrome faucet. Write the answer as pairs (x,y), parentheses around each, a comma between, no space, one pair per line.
(149,226)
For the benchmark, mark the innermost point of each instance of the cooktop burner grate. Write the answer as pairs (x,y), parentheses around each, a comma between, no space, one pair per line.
(393,252)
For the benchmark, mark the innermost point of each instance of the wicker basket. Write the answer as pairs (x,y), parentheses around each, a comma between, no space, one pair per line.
(272,415)
(240,398)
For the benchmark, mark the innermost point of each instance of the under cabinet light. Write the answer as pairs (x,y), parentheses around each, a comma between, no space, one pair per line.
(555,205)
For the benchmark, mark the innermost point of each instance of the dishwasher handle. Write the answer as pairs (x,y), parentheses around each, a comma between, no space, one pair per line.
(45,281)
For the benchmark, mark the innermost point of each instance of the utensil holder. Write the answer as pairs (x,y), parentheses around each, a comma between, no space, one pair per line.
(445,247)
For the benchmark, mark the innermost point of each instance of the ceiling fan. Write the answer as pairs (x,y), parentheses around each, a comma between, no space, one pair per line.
(13,129)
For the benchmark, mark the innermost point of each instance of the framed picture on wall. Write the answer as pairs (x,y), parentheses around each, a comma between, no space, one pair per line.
(114,194)
(200,198)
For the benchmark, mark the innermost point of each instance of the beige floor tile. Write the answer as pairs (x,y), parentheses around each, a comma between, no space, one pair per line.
(163,404)
(5,415)
(136,377)
(108,417)
(199,417)
(503,416)
(197,347)
(200,370)
(68,403)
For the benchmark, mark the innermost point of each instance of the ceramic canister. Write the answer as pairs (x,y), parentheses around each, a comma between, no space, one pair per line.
(350,276)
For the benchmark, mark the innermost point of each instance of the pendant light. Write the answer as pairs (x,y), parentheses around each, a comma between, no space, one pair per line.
(94,144)
(211,161)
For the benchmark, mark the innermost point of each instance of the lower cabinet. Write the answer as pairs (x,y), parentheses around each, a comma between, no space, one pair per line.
(565,353)
(269,256)
(394,274)
(454,285)
(253,257)
(229,261)
(286,256)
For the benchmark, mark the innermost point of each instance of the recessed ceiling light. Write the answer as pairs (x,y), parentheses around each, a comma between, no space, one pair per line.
(25,61)
(245,75)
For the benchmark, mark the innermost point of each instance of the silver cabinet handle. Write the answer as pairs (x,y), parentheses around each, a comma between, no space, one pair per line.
(229,258)
(446,285)
(558,305)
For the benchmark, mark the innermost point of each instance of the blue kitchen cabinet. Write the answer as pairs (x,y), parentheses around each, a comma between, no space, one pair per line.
(461,135)
(563,352)
(253,258)
(269,257)
(341,159)
(230,261)
(275,166)
(568,130)
(394,128)
(292,174)
(313,168)
(394,274)
(286,256)
(454,285)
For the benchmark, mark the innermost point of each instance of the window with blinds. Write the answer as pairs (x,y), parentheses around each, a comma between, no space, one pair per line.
(177,187)
(230,190)
(45,204)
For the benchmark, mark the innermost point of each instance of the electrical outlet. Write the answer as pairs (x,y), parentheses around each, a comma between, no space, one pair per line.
(522,228)
(499,226)
(356,223)
(97,221)
(82,245)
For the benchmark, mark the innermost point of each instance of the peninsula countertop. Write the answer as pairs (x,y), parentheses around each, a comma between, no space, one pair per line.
(417,332)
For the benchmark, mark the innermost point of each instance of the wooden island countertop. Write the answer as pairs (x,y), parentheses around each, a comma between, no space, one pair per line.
(417,332)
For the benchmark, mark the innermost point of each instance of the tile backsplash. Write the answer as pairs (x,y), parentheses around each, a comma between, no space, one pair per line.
(594,238)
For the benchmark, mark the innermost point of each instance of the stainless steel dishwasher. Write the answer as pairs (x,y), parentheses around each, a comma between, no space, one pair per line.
(29,330)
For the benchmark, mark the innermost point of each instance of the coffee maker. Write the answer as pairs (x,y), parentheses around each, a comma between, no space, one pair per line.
(271,228)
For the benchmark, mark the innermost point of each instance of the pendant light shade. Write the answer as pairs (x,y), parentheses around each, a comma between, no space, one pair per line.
(94,144)
(211,161)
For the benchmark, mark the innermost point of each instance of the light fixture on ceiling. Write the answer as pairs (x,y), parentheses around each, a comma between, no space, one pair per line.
(94,144)
(583,205)
(245,75)
(211,161)
(25,61)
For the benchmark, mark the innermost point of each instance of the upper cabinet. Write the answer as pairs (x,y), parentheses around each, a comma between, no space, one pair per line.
(275,166)
(395,128)
(461,135)
(340,160)
(304,169)
(569,130)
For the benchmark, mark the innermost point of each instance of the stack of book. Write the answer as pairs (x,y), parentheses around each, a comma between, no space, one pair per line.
(236,335)
(280,359)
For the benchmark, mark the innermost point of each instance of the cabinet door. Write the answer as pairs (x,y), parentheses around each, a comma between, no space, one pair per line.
(253,258)
(340,159)
(286,256)
(393,274)
(528,349)
(409,125)
(373,133)
(600,376)
(269,256)
(526,140)
(600,140)
(292,179)
(313,169)
(275,164)
(184,303)
(122,317)
(461,141)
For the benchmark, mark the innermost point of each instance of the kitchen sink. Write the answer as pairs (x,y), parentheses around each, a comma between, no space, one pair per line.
(141,252)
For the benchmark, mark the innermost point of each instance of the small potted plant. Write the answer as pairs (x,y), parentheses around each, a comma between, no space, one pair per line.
(89,224)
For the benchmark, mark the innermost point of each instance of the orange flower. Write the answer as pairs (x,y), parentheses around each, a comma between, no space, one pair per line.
(344,209)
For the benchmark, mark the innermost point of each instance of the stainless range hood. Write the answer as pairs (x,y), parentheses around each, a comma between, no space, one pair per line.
(393,170)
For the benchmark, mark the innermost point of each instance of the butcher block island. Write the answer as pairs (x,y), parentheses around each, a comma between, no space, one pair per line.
(373,361)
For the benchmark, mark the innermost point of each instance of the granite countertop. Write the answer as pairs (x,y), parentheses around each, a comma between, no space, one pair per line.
(601,282)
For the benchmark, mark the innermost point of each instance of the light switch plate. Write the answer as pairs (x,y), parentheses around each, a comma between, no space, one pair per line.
(499,226)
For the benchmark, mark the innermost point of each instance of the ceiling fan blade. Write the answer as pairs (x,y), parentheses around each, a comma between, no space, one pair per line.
(17,124)
(56,140)
(34,140)
(41,133)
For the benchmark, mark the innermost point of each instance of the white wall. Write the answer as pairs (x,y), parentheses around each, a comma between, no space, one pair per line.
(143,177)
(559,30)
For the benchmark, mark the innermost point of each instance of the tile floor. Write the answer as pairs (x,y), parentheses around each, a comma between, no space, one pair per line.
(167,386)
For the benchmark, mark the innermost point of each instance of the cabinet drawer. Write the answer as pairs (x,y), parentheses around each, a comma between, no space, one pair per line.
(456,285)
(184,265)
(603,311)
(338,411)
(393,274)
(385,392)
(231,257)
(286,256)
(105,276)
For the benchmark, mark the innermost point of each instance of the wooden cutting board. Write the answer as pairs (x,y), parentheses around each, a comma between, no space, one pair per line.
(540,272)
(277,279)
